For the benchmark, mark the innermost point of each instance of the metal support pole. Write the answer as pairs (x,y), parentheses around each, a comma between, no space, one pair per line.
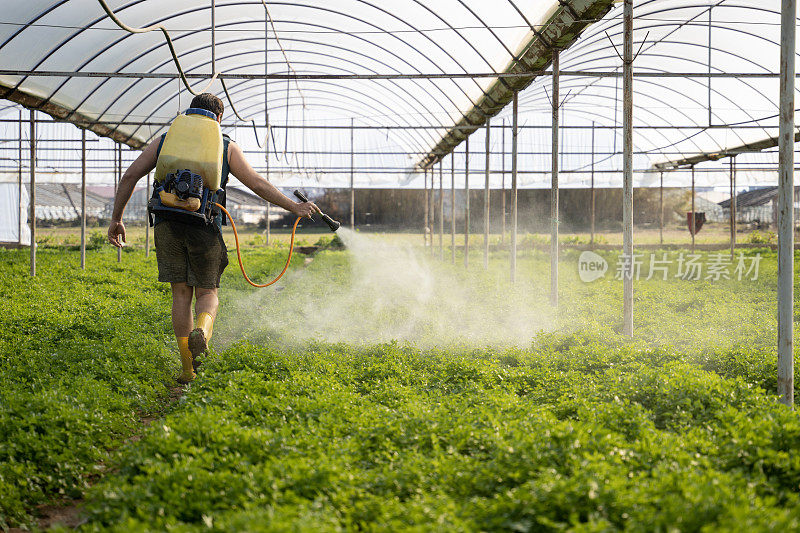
(466,202)
(147,221)
(19,181)
(116,186)
(213,36)
(732,208)
(83,199)
(426,215)
(503,188)
(627,173)
(432,209)
(267,224)
(708,64)
(786,206)
(691,218)
(453,206)
(591,237)
(661,208)
(735,202)
(514,113)
(33,192)
(486,199)
(352,172)
(441,214)
(554,186)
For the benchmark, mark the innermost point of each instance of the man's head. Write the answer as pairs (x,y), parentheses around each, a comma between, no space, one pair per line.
(209,102)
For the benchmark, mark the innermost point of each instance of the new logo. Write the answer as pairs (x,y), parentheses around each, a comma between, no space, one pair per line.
(591,266)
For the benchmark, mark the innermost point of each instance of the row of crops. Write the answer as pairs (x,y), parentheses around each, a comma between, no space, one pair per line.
(289,428)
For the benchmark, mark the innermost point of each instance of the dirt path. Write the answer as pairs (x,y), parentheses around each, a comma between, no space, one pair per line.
(68,513)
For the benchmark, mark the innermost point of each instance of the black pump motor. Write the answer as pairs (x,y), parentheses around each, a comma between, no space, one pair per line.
(185,184)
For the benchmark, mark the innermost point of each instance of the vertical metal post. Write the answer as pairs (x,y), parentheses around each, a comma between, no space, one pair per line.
(352,172)
(514,112)
(19,180)
(441,213)
(503,188)
(33,191)
(627,173)
(731,209)
(426,215)
(268,224)
(453,205)
(213,36)
(83,198)
(117,175)
(734,204)
(691,218)
(268,229)
(709,66)
(786,206)
(661,208)
(432,208)
(466,202)
(591,237)
(486,199)
(554,185)
(147,220)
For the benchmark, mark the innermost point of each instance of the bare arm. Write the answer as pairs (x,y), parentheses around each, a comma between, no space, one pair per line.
(144,164)
(251,179)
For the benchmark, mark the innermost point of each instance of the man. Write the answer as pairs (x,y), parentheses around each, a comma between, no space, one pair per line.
(191,257)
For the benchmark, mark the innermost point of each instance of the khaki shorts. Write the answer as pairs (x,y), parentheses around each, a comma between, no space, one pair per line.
(190,253)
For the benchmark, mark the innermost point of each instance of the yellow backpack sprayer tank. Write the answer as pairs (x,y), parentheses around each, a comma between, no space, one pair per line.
(189,169)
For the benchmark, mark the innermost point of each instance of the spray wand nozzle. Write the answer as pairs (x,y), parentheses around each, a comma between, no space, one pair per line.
(333,224)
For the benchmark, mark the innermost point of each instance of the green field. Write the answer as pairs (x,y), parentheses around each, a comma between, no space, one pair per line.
(376,389)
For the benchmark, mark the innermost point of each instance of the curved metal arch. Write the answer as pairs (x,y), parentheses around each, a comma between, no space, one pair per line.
(334,107)
(397,131)
(390,34)
(295,50)
(32,22)
(134,83)
(669,88)
(716,49)
(596,83)
(238,89)
(165,103)
(417,82)
(606,118)
(431,115)
(234,3)
(666,104)
(322,102)
(312,7)
(350,111)
(596,36)
(222,58)
(660,101)
(610,56)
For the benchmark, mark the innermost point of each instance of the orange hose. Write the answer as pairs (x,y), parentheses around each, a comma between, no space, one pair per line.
(239,254)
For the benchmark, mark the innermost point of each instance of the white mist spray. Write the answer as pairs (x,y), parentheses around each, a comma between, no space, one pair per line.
(379,291)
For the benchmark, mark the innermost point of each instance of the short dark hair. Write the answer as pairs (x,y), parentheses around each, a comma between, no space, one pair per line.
(209,102)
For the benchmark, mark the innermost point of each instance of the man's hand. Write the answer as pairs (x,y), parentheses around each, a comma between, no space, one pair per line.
(305,209)
(116,234)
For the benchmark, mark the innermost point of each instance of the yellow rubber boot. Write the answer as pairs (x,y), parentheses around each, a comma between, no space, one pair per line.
(199,337)
(187,371)
(205,322)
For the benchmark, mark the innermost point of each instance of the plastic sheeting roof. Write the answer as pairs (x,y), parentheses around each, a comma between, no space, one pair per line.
(675,117)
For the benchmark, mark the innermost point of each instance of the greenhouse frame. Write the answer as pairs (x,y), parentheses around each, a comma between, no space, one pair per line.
(446,95)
